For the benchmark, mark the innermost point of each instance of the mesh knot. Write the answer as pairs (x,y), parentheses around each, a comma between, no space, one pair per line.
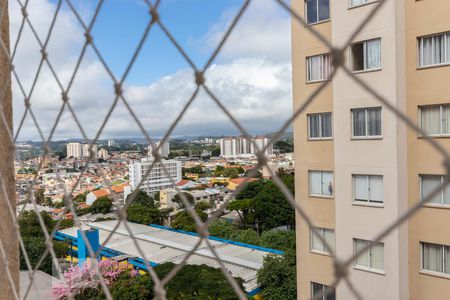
(340,271)
(118,89)
(337,57)
(122,214)
(154,14)
(12,66)
(199,78)
(64,96)
(88,37)
(27,102)
(44,54)
(24,12)
(262,159)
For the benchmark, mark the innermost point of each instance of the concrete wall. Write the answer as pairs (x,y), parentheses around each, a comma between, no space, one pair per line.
(7,231)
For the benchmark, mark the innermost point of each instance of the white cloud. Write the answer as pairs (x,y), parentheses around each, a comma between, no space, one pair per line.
(263,31)
(256,89)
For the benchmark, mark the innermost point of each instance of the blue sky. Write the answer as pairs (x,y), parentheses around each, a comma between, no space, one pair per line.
(252,75)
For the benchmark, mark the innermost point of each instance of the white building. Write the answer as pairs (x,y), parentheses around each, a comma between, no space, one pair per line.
(85,148)
(111,142)
(156,180)
(103,154)
(74,150)
(241,146)
(164,150)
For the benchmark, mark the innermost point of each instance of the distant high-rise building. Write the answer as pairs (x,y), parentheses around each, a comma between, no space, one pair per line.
(111,142)
(102,153)
(74,150)
(241,146)
(156,179)
(164,150)
(85,148)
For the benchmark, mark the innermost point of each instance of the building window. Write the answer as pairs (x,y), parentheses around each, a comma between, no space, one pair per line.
(366,122)
(354,3)
(321,183)
(322,292)
(317,11)
(434,50)
(368,188)
(318,67)
(429,183)
(372,259)
(319,126)
(435,119)
(316,243)
(435,258)
(366,55)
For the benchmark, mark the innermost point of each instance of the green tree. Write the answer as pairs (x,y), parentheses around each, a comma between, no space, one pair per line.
(219,171)
(221,229)
(132,287)
(144,214)
(39,196)
(102,205)
(141,198)
(34,241)
(232,172)
(248,236)
(277,278)
(66,223)
(177,199)
(197,282)
(184,221)
(279,239)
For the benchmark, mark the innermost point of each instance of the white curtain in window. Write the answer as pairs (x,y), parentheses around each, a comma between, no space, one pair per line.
(447,49)
(446,119)
(377,256)
(430,119)
(315,182)
(429,184)
(318,67)
(327,183)
(432,257)
(359,122)
(360,186)
(314,126)
(446,198)
(447,259)
(363,259)
(316,243)
(372,59)
(374,121)
(326,125)
(438,49)
(426,49)
(328,236)
(376,188)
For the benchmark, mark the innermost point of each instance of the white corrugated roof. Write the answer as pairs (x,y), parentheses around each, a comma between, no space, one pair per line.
(161,245)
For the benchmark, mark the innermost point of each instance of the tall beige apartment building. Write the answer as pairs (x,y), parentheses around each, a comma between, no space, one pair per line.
(358,166)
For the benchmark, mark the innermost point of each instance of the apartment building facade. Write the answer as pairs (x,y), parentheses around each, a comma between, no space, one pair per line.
(358,166)
(241,146)
(156,179)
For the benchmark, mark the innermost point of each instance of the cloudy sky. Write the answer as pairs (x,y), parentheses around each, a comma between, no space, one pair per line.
(251,76)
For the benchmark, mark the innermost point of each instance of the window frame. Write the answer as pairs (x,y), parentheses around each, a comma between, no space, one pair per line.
(366,136)
(317,13)
(364,42)
(322,251)
(323,55)
(321,180)
(350,6)
(435,273)
(320,126)
(432,204)
(441,118)
(420,53)
(367,202)
(368,268)
(324,287)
